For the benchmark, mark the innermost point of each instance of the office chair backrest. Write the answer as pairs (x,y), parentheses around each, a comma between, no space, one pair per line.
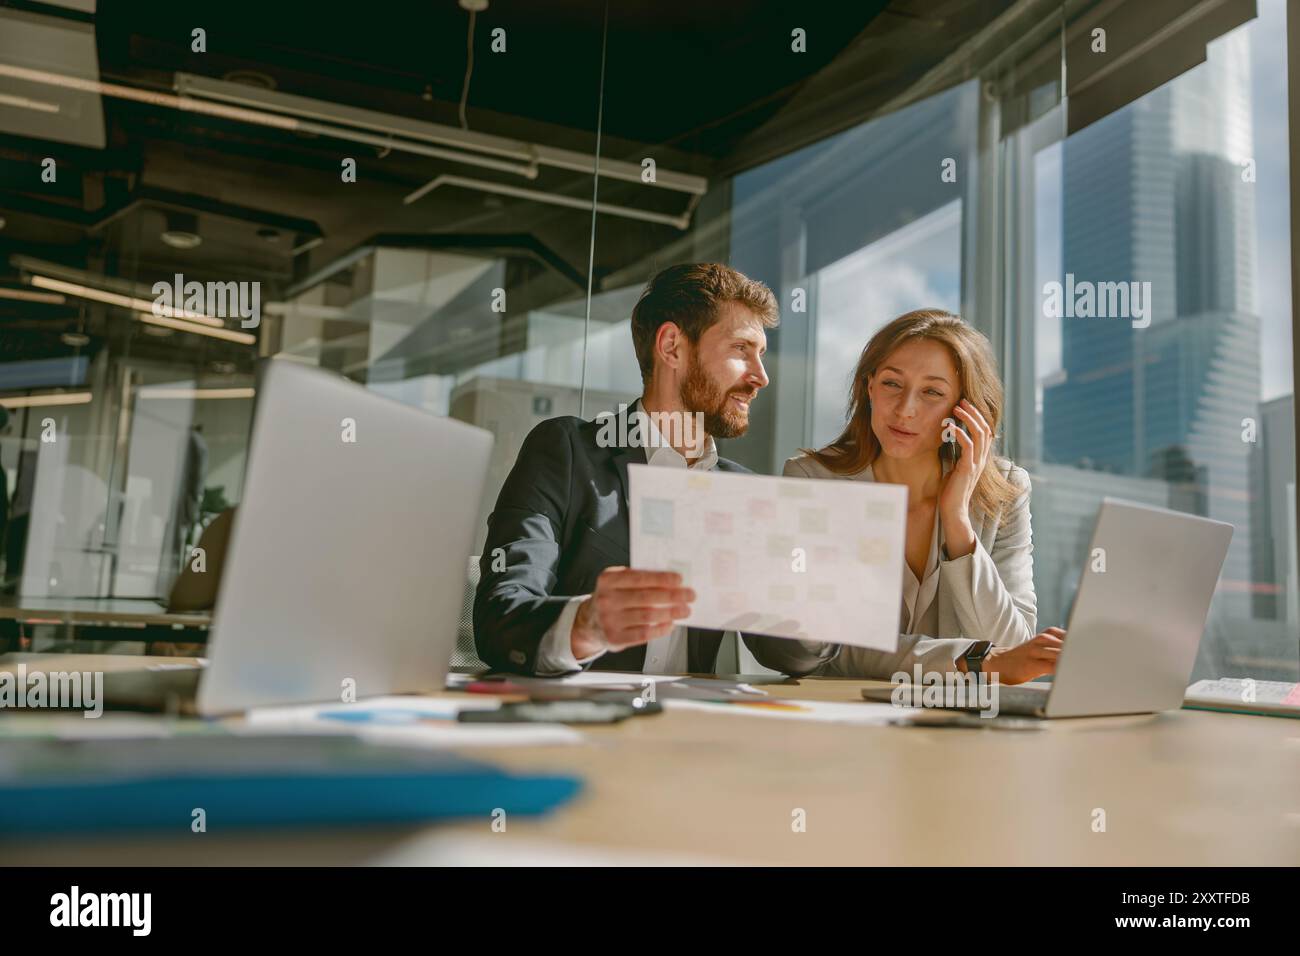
(465,655)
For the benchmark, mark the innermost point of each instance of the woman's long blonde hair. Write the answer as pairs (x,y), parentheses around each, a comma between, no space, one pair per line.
(977,374)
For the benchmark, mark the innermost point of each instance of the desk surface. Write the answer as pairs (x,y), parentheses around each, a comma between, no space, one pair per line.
(1183,788)
(65,610)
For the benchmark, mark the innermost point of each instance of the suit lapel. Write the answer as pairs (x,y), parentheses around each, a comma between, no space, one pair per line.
(624,455)
(622,458)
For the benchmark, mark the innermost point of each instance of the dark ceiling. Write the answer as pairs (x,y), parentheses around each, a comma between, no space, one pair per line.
(696,74)
(685,82)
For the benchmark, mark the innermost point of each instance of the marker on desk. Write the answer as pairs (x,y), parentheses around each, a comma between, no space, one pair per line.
(494,686)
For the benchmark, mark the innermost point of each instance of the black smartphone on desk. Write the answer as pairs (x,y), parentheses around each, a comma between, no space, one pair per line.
(957,718)
(558,712)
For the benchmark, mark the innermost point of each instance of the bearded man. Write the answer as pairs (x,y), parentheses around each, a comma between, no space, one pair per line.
(555,593)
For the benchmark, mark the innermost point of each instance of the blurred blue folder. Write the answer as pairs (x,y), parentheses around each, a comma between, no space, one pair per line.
(252,781)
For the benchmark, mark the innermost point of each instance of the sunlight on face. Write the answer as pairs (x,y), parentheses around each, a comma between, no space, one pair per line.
(727,371)
(912,393)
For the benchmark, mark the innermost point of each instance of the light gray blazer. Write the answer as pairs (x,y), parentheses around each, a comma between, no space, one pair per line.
(986,595)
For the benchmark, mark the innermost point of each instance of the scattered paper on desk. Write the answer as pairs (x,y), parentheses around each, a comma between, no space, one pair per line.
(597,680)
(823,711)
(597,683)
(413,721)
(791,557)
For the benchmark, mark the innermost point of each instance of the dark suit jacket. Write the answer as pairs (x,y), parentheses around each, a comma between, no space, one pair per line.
(561,519)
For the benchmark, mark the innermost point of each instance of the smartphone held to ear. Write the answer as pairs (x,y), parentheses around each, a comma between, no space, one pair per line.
(951,446)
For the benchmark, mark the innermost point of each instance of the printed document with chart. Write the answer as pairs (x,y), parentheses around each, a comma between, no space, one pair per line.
(791,557)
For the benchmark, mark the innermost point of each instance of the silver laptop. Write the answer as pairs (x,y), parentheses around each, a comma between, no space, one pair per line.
(346,564)
(1135,627)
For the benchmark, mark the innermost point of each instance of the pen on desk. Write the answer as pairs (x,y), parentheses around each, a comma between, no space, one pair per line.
(970,721)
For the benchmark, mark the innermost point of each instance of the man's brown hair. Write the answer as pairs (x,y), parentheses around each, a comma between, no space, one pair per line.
(689,295)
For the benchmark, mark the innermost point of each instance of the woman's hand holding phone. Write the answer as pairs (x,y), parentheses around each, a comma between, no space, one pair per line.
(974,443)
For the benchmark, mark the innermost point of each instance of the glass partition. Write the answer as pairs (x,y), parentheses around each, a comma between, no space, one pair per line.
(409,210)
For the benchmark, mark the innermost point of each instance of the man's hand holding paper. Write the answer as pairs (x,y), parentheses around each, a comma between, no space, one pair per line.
(629,607)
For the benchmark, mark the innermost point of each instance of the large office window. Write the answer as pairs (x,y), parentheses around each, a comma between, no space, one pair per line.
(1178,203)
(1181,188)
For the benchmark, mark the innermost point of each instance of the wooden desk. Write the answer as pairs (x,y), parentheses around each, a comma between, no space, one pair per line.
(1184,788)
(110,619)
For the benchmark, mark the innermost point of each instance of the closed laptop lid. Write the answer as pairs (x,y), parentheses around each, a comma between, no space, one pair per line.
(346,564)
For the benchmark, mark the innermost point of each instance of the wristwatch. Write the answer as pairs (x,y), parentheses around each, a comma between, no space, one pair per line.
(975,655)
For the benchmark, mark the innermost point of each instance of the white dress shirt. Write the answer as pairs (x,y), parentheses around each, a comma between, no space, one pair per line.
(663,655)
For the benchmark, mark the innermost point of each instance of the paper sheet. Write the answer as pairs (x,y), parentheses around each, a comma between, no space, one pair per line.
(414,721)
(595,679)
(791,557)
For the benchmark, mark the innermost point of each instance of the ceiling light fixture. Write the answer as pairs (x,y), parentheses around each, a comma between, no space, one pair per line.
(230,335)
(26,295)
(269,108)
(23,103)
(151,391)
(121,301)
(182,230)
(399,132)
(554,199)
(48,399)
(254,78)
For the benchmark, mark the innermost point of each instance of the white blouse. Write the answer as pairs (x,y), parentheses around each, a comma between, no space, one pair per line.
(918,596)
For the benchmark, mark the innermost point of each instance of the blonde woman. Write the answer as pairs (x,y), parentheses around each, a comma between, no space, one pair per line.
(968,586)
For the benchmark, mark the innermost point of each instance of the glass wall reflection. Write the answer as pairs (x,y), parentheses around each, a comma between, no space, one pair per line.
(404,208)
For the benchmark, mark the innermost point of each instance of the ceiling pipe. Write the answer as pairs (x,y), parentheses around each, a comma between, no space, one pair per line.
(237,94)
(483,185)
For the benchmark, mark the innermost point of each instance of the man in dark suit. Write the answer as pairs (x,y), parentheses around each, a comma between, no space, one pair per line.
(555,593)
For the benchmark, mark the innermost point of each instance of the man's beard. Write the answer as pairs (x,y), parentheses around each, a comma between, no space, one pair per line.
(701,394)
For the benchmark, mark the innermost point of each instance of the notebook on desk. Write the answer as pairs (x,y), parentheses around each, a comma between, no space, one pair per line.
(1244,695)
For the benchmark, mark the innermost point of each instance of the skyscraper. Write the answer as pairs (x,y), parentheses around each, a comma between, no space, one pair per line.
(1155,193)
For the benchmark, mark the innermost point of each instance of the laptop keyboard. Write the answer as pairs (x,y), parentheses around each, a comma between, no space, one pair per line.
(1018,699)
(1023,698)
